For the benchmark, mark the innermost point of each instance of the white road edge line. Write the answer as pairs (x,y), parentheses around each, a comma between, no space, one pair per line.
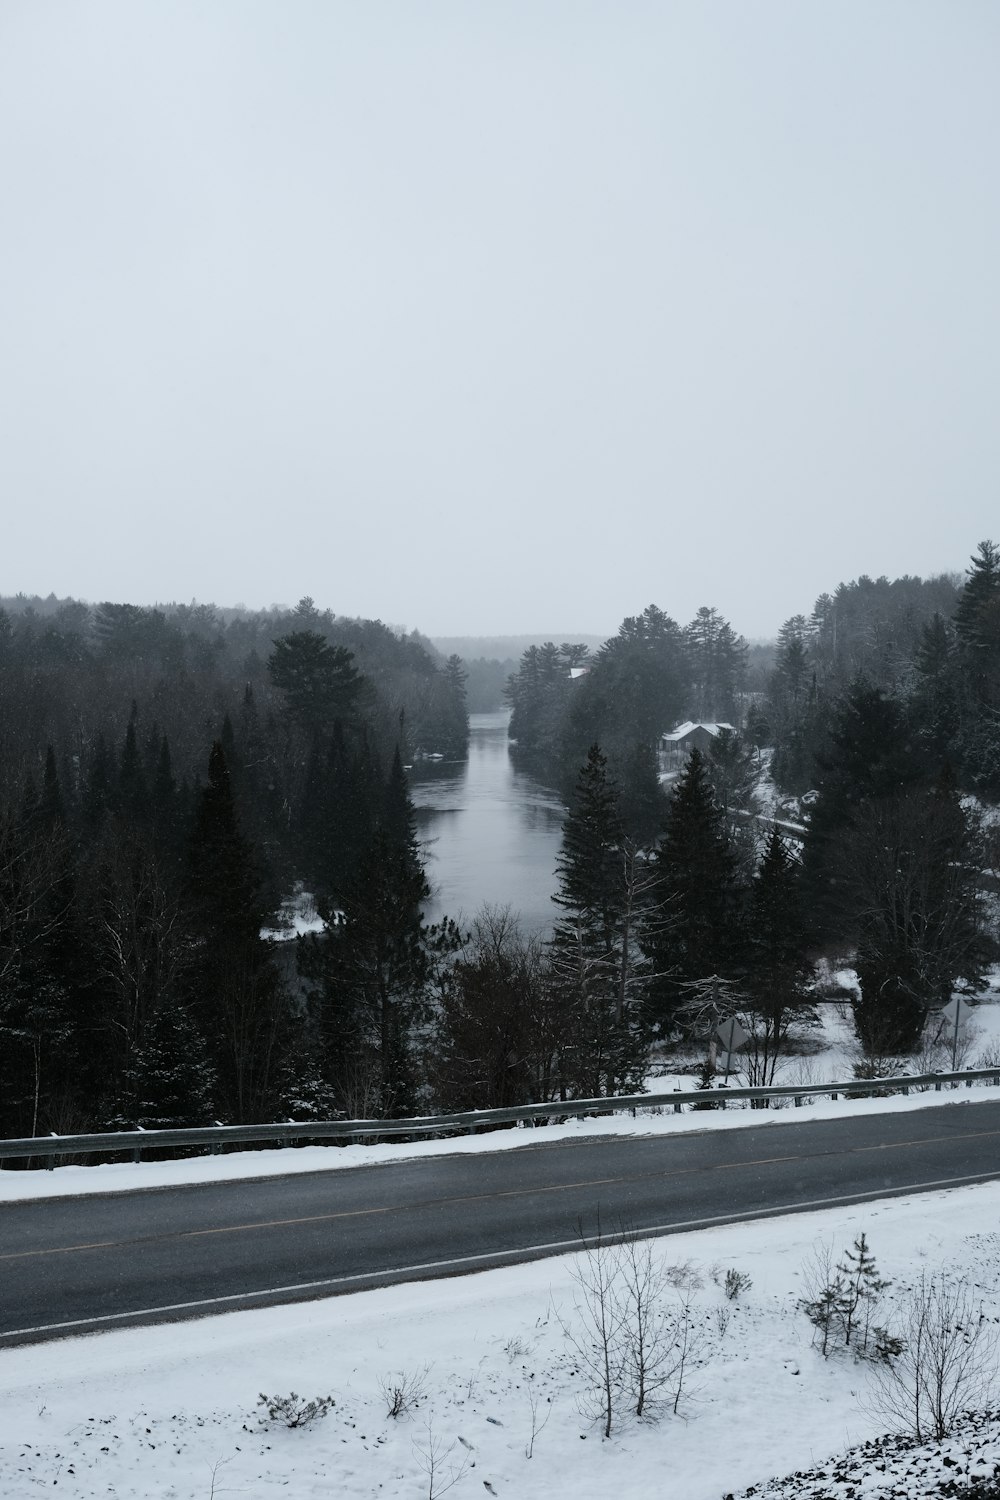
(494,1255)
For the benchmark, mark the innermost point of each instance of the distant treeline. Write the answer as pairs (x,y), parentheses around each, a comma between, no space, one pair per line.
(489,661)
(932,645)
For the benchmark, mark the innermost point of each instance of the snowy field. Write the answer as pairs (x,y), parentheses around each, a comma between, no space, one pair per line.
(172,1413)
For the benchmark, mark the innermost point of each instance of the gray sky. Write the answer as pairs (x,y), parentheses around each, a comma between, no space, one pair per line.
(501,314)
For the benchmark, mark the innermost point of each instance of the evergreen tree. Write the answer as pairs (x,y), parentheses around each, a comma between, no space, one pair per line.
(693,936)
(934,706)
(132,797)
(51,811)
(99,797)
(320,683)
(173,1080)
(871,757)
(977,627)
(909,869)
(370,974)
(593,952)
(776,959)
(977,614)
(718,659)
(641,802)
(454,727)
(44,1067)
(237,998)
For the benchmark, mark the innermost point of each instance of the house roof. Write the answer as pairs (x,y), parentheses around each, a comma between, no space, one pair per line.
(683,730)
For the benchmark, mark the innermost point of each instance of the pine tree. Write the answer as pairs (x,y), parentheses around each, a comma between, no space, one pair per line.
(694,934)
(871,758)
(934,706)
(173,1080)
(456,717)
(238,1002)
(977,616)
(777,966)
(977,627)
(99,796)
(370,974)
(595,959)
(718,659)
(132,798)
(320,683)
(909,872)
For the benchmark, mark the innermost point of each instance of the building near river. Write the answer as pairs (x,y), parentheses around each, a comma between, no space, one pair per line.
(676,746)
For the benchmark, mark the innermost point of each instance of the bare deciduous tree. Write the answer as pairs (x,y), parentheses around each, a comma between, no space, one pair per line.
(948,1363)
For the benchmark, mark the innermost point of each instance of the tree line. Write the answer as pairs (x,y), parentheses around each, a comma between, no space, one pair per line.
(885,707)
(165,778)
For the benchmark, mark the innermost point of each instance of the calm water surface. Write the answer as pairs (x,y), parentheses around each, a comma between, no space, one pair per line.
(491,833)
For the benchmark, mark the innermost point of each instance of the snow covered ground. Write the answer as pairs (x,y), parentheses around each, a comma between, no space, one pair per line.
(172,1413)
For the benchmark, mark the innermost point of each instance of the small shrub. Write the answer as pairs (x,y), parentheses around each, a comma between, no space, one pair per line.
(683,1276)
(403,1391)
(706,1073)
(294,1410)
(736,1282)
(840,1302)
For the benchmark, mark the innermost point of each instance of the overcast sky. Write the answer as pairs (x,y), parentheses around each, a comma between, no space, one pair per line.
(497,315)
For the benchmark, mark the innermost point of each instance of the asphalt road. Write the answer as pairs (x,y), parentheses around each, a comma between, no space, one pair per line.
(75,1265)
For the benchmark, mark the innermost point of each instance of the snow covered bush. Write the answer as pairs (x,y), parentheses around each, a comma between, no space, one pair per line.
(293,1409)
(736,1282)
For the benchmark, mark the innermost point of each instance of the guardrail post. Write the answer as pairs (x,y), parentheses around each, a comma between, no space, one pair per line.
(937,1087)
(679,1109)
(798,1101)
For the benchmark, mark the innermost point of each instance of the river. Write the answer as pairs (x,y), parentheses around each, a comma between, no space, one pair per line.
(490,832)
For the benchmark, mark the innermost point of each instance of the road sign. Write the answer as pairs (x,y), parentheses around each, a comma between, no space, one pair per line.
(956,1012)
(731,1034)
(954,1015)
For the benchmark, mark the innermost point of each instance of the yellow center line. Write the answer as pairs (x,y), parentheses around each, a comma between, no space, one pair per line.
(524,1192)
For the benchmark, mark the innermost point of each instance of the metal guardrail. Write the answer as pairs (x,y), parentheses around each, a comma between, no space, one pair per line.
(215,1137)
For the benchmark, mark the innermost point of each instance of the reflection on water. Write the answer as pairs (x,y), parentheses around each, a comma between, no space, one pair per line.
(490,832)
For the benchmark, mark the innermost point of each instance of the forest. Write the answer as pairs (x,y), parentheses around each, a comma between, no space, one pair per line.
(169,775)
